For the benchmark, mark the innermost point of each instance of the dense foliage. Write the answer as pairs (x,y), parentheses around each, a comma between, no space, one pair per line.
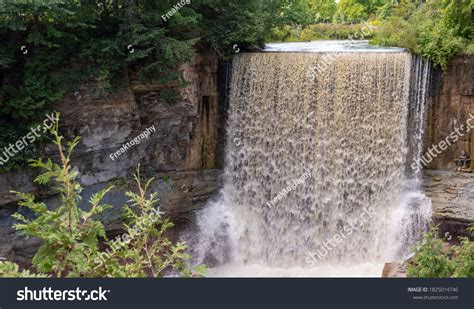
(305,12)
(323,32)
(434,29)
(437,259)
(49,48)
(52,47)
(306,20)
(71,236)
(225,23)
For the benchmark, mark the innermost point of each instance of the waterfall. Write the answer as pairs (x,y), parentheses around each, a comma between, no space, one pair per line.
(414,212)
(316,157)
(419,91)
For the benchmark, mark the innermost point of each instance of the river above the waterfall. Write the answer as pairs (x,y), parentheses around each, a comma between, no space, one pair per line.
(329,46)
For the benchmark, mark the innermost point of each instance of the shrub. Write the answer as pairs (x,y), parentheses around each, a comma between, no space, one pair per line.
(437,259)
(439,43)
(71,236)
(464,263)
(335,32)
(432,258)
(11,270)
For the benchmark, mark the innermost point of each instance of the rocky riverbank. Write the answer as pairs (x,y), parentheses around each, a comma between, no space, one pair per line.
(452,198)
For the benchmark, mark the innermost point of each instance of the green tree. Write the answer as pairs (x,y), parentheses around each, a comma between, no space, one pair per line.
(236,22)
(50,48)
(294,13)
(350,11)
(322,10)
(437,30)
(373,6)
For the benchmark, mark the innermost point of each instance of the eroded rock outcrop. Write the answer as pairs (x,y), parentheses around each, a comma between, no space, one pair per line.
(449,114)
(452,198)
(184,147)
(452,104)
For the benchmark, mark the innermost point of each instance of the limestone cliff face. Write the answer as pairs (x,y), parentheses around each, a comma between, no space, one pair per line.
(451,192)
(185,146)
(452,102)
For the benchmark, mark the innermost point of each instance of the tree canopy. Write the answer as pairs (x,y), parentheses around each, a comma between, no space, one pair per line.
(50,47)
(435,29)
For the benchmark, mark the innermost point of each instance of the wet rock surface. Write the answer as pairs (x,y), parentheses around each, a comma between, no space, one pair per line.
(452,197)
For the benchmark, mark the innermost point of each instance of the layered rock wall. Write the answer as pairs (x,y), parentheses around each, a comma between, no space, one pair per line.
(185,147)
(452,104)
(450,112)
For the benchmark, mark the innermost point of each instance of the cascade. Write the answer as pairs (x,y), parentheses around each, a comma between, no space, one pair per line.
(317,163)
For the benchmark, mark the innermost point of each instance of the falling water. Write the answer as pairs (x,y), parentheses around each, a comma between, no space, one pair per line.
(316,162)
(414,211)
